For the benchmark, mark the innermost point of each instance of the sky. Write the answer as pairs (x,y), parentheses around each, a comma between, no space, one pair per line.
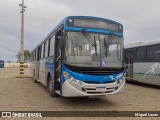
(140,18)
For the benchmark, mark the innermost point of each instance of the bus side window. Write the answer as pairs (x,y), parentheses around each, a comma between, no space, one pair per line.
(39,53)
(157,52)
(52,42)
(46,49)
(33,56)
(42,51)
(141,54)
(150,53)
(36,54)
(49,41)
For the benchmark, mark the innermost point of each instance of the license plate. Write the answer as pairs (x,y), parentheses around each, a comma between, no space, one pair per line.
(101,89)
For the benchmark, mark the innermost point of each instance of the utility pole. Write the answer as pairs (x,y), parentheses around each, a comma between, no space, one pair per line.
(22,38)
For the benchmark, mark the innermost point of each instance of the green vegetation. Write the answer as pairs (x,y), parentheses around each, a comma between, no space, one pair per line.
(27,55)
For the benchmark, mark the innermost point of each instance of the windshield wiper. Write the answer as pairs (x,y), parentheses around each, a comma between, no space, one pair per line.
(107,43)
(90,40)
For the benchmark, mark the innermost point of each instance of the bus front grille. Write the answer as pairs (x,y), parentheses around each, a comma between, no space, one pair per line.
(92,90)
(98,82)
(99,72)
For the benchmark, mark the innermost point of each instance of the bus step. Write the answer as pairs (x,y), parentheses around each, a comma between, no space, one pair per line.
(58,92)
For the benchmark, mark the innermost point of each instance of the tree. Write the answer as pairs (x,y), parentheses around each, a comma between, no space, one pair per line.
(27,56)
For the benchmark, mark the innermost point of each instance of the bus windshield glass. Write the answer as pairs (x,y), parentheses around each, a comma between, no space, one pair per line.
(93,50)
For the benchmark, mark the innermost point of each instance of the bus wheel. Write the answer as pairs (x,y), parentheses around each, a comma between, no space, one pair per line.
(35,81)
(50,83)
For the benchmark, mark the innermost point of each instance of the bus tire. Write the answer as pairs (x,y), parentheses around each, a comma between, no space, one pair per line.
(50,82)
(35,81)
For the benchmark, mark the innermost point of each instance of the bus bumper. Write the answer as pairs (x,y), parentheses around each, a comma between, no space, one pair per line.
(89,89)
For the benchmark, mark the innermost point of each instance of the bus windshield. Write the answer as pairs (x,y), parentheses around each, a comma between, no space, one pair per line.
(93,50)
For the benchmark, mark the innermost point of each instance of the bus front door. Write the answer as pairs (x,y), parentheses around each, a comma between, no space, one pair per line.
(57,71)
(129,64)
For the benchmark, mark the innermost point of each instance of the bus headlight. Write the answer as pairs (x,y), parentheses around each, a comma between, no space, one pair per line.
(72,80)
(120,80)
(67,75)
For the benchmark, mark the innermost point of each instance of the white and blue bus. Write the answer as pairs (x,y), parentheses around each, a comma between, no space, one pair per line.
(81,56)
(143,62)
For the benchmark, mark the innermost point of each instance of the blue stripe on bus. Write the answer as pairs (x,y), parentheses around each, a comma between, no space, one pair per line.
(91,78)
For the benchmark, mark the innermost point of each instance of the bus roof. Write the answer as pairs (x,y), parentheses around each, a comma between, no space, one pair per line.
(93,17)
(140,44)
(63,22)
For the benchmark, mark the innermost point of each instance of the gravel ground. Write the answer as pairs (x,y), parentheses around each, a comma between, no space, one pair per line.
(22,94)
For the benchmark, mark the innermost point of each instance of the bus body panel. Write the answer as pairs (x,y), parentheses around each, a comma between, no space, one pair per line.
(74,90)
(143,62)
(42,72)
(94,78)
(46,67)
(70,88)
(145,72)
(33,69)
(49,66)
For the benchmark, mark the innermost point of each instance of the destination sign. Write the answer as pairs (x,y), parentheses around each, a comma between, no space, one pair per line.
(95,23)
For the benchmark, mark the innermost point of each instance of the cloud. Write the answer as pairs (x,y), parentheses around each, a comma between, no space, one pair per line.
(9,46)
(141,19)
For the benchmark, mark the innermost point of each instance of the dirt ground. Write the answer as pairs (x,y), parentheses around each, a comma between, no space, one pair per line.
(22,94)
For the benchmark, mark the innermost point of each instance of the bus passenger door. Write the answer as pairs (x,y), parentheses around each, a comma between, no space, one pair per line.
(57,68)
(129,56)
